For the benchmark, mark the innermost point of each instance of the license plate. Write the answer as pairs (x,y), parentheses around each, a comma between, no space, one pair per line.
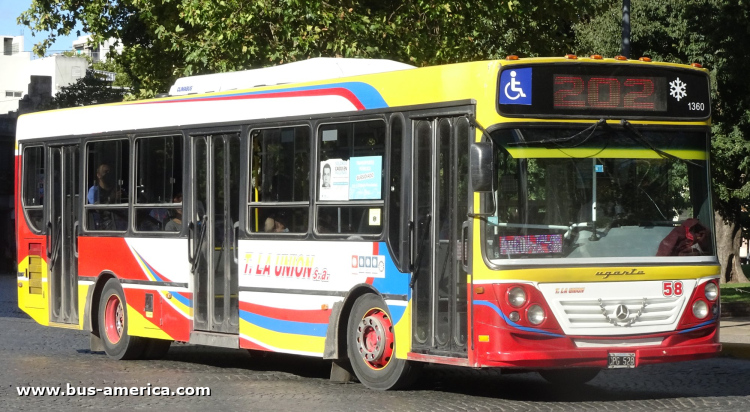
(621,360)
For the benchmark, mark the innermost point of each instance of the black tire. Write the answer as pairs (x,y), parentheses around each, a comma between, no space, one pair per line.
(569,377)
(117,343)
(155,348)
(393,373)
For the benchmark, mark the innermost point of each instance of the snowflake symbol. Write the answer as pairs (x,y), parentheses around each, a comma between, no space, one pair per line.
(678,89)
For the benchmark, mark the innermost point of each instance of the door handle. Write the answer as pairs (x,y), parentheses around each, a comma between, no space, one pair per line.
(49,231)
(75,239)
(236,241)
(191,229)
(464,246)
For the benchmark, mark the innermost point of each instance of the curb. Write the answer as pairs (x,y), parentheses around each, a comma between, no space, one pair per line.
(735,350)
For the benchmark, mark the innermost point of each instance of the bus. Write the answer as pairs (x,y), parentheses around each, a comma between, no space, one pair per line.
(528,214)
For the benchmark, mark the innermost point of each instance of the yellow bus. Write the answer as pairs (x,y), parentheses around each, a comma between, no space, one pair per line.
(543,214)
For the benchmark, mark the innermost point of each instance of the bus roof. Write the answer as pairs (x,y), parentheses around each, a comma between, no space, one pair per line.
(311,70)
(306,88)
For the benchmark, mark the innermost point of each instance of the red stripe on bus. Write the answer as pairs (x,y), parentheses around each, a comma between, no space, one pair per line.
(334,91)
(295,315)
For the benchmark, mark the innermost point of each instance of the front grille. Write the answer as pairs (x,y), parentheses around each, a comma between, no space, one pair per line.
(589,314)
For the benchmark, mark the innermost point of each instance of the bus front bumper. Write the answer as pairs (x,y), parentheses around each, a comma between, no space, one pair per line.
(597,357)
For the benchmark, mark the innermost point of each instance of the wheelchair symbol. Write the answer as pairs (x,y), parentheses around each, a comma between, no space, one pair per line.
(515,86)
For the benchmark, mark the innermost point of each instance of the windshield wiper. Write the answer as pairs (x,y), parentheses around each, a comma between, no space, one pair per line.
(591,129)
(638,138)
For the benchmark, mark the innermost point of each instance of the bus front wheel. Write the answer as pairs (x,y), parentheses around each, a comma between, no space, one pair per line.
(371,346)
(113,324)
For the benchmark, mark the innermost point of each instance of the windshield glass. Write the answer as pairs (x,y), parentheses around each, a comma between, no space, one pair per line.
(608,192)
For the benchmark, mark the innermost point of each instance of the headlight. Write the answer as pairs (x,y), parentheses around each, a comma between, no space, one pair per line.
(712,292)
(536,314)
(700,309)
(514,316)
(516,297)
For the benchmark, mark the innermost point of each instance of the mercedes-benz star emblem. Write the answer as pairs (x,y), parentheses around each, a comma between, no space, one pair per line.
(622,312)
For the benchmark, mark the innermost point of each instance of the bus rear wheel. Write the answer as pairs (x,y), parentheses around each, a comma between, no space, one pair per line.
(371,346)
(113,324)
(569,377)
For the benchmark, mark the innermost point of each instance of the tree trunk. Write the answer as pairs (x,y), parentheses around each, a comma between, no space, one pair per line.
(728,242)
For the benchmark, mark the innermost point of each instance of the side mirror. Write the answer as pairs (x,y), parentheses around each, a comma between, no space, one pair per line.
(480,166)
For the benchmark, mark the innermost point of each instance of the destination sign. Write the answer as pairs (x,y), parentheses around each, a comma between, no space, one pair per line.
(603,90)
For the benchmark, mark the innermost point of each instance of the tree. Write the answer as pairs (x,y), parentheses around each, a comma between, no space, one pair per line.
(86,91)
(710,32)
(166,39)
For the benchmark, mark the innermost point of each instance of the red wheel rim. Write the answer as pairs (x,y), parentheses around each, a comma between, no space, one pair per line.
(114,319)
(375,338)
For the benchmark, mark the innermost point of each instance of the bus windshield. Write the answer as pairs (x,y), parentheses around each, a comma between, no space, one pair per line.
(600,192)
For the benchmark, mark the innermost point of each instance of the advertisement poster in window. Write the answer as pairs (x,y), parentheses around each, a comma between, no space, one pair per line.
(334,179)
(365,178)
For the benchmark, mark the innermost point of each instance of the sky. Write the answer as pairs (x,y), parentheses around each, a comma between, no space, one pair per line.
(10,10)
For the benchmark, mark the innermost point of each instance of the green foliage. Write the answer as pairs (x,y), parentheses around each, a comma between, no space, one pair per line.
(86,91)
(710,32)
(165,39)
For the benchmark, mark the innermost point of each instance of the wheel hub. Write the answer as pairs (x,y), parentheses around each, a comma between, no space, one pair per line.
(375,338)
(114,319)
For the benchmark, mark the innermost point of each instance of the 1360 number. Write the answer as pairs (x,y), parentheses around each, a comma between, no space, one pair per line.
(696,106)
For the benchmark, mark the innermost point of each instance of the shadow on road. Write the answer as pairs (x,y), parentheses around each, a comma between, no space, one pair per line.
(712,378)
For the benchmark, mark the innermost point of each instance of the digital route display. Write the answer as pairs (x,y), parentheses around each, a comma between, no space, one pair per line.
(614,92)
(603,91)
(530,244)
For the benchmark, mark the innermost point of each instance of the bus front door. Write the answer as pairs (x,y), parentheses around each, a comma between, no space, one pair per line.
(440,199)
(214,224)
(62,233)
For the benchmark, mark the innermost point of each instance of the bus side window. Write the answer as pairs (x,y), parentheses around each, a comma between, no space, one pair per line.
(158,187)
(279,195)
(351,178)
(108,169)
(33,186)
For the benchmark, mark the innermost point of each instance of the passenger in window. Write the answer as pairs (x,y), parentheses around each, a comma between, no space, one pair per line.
(104,191)
(276,224)
(175,224)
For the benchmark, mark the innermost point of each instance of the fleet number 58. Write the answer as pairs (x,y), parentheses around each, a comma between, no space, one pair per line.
(671,288)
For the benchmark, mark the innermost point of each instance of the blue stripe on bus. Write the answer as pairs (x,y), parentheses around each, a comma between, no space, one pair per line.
(511,323)
(182,299)
(285,326)
(708,322)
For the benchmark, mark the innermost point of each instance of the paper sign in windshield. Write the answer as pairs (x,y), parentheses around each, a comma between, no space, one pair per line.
(334,179)
(365,177)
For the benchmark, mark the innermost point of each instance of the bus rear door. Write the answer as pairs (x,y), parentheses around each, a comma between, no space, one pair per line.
(213,225)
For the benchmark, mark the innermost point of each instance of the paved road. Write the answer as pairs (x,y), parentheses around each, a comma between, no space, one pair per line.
(32,355)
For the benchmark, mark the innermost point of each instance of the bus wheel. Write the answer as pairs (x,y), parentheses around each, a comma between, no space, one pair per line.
(371,346)
(113,324)
(569,377)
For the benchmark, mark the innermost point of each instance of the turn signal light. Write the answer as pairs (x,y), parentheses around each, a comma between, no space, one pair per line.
(620,58)
(511,57)
(571,56)
(596,56)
